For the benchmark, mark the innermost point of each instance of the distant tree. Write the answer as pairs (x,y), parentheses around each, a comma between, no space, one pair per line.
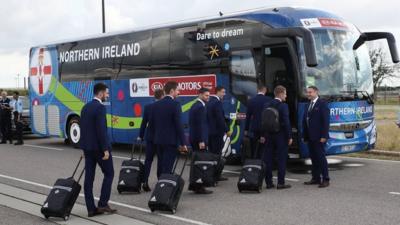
(381,69)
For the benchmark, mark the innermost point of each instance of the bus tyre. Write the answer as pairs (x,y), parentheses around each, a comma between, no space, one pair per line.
(74,131)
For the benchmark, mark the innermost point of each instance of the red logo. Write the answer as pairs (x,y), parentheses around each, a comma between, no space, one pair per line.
(188,85)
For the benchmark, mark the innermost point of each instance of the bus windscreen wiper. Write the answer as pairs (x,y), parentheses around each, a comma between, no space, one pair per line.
(365,95)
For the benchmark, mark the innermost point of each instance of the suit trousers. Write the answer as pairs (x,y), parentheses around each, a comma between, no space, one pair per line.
(318,159)
(276,144)
(92,158)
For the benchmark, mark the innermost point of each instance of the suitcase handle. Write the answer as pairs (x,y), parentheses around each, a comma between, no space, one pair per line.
(80,176)
(257,149)
(184,164)
(76,168)
(140,144)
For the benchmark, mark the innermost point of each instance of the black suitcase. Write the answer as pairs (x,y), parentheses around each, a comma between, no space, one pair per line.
(131,173)
(203,170)
(62,197)
(168,191)
(222,160)
(252,175)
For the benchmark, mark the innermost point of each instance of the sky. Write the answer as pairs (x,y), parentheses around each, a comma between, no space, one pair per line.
(27,23)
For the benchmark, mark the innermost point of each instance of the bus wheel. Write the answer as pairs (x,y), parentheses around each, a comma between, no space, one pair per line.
(74,131)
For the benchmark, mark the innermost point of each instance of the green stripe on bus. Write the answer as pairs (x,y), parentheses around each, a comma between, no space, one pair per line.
(235,139)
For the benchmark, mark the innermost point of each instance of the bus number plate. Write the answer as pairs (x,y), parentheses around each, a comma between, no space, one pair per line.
(348,148)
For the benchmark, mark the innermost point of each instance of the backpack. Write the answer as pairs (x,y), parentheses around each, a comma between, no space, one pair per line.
(270,119)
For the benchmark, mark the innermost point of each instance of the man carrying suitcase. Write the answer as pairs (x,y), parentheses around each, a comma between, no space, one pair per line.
(147,133)
(97,150)
(165,119)
(217,127)
(198,129)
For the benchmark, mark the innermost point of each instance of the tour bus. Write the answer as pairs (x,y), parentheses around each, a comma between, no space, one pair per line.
(293,47)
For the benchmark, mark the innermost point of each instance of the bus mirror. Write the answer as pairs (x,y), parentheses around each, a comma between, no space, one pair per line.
(371,36)
(304,33)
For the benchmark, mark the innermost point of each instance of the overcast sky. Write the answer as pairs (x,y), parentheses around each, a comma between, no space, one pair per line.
(26,23)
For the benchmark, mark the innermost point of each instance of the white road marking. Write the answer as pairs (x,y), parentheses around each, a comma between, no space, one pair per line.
(112,202)
(378,160)
(394,193)
(43,147)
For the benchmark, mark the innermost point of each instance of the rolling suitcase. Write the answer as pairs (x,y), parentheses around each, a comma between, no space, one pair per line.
(252,175)
(168,191)
(131,173)
(62,197)
(203,170)
(222,160)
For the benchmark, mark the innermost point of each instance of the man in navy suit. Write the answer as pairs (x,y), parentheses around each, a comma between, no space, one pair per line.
(278,142)
(97,150)
(316,134)
(255,107)
(165,121)
(217,127)
(148,134)
(198,128)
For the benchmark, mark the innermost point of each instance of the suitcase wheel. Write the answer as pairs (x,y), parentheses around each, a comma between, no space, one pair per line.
(240,190)
(259,189)
(119,192)
(66,218)
(152,210)
(173,211)
(47,217)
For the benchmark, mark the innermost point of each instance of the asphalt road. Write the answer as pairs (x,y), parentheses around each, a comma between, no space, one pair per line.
(362,191)
(12,216)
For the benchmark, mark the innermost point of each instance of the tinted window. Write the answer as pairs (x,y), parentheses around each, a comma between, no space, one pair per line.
(243,73)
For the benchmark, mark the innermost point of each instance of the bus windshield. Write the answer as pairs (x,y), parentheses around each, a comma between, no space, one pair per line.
(341,71)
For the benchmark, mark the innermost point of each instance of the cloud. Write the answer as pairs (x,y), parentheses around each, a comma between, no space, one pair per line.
(32,23)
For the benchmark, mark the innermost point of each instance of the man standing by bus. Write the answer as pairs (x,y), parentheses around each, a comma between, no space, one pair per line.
(97,150)
(217,127)
(165,119)
(147,133)
(198,128)
(278,141)
(253,129)
(316,134)
(5,118)
(16,105)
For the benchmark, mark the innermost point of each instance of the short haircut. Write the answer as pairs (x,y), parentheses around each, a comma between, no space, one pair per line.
(99,87)
(203,90)
(279,90)
(219,88)
(261,87)
(170,85)
(158,93)
(314,88)
(16,92)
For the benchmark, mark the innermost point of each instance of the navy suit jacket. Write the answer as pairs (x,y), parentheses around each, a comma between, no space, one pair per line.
(146,131)
(216,117)
(255,108)
(317,126)
(198,126)
(283,109)
(93,125)
(165,121)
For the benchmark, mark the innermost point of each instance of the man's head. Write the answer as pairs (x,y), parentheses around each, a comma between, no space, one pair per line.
(171,88)
(16,95)
(4,94)
(262,89)
(280,92)
(100,91)
(158,94)
(204,94)
(220,92)
(312,92)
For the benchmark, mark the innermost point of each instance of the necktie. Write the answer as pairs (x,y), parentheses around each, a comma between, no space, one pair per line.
(311,106)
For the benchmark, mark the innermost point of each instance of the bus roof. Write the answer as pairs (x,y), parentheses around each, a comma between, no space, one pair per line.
(279,17)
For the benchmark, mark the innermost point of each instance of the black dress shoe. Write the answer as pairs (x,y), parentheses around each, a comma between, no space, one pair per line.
(19,143)
(222,179)
(10,142)
(3,142)
(95,213)
(106,209)
(270,186)
(324,184)
(146,187)
(283,186)
(203,191)
(312,182)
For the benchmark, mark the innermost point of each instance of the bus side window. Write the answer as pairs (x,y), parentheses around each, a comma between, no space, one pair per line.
(243,74)
(160,46)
